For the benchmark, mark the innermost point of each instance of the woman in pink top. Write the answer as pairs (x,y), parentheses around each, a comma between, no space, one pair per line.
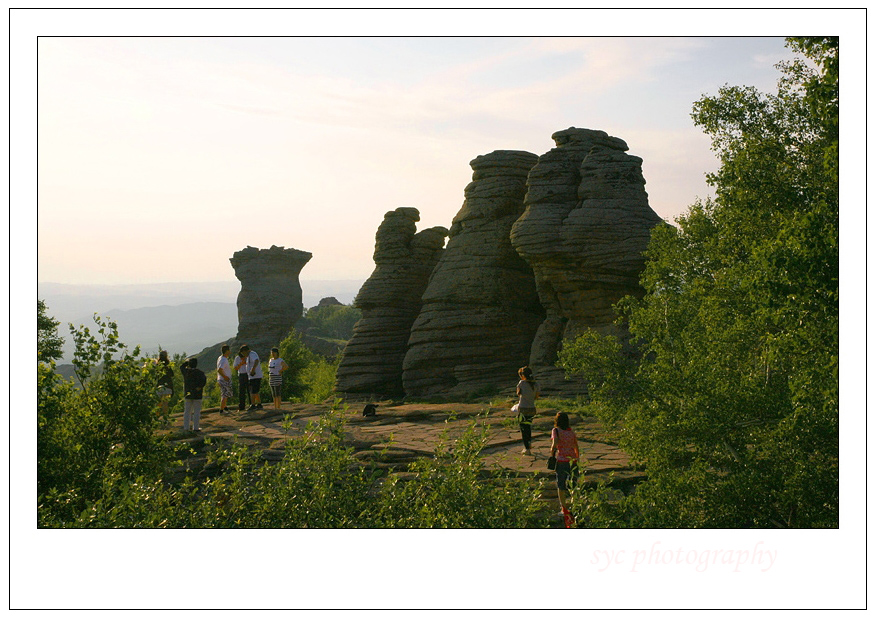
(564,444)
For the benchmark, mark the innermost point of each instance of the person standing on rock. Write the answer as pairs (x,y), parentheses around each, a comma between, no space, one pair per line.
(564,444)
(254,379)
(194,380)
(165,381)
(276,367)
(223,377)
(528,391)
(242,377)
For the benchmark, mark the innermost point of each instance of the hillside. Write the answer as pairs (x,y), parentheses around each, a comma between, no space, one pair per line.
(179,317)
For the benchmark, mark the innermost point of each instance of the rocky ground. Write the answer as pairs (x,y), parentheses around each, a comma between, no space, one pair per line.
(402,432)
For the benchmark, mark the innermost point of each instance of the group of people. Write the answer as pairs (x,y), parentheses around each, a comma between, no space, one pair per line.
(248,366)
(564,442)
(249,374)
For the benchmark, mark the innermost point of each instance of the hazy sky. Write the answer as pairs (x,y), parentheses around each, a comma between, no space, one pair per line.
(160,157)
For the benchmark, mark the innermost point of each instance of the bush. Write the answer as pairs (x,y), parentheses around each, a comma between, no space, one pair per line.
(454,491)
(319,484)
(297,357)
(318,378)
(93,437)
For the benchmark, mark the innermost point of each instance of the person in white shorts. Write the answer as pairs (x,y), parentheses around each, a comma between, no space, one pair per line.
(223,377)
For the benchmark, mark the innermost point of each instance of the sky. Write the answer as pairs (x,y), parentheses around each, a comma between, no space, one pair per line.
(158,158)
(139,159)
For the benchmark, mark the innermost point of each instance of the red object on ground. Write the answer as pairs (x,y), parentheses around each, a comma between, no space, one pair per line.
(568,519)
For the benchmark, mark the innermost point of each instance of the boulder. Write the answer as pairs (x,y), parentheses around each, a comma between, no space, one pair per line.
(390,301)
(480,310)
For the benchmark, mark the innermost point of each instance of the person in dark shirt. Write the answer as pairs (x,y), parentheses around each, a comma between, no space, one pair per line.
(165,381)
(194,380)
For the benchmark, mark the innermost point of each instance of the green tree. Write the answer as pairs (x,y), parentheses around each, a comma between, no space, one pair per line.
(331,321)
(89,439)
(297,357)
(732,404)
(49,343)
(319,378)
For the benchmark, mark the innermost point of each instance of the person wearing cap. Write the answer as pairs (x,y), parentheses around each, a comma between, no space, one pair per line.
(194,380)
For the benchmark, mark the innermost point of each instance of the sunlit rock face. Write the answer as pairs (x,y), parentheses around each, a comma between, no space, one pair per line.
(480,310)
(269,302)
(586,225)
(390,301)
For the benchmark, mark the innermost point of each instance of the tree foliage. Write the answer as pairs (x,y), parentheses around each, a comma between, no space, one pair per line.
(320,484)
(331,321)
(298,357)
(732,404)
(92,437)
(49,343)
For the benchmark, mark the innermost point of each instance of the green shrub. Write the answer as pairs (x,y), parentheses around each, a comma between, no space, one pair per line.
(455,491)
(91,438)
(318,378)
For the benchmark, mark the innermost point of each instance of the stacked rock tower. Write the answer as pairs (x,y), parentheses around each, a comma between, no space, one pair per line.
(390,301)
(480,309)
(585,229)
(269,302)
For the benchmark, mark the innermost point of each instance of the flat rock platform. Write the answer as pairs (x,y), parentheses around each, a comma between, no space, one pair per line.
(401,432)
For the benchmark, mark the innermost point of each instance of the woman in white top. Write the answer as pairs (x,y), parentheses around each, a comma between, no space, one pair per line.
(528,392)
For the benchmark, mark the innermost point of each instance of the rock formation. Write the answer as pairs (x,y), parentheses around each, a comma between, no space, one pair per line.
(586,225)
(269,302)
(390,301)
(480,310)
(541,250)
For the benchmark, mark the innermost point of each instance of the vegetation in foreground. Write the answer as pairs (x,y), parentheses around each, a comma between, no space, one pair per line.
(102,463)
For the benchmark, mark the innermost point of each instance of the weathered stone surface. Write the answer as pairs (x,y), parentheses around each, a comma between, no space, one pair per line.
(269,302)
(390,301)
(480,310)
(586,225)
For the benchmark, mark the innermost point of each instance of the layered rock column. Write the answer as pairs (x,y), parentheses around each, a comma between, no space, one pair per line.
(586,225)
(390,301)
(269,302)
(480,310)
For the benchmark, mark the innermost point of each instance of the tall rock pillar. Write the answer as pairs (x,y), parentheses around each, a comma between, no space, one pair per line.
(480,309)
(586,225)
(269,302)
(390,301)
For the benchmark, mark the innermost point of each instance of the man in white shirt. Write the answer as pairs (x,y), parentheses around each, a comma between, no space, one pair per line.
(254,371)
(223,377)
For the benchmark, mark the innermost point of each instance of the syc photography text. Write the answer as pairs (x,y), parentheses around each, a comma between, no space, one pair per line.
(753,558)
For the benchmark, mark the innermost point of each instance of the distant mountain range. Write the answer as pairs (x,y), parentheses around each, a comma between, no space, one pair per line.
(178,317)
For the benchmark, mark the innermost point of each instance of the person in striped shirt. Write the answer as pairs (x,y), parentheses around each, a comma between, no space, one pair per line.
(276,367)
